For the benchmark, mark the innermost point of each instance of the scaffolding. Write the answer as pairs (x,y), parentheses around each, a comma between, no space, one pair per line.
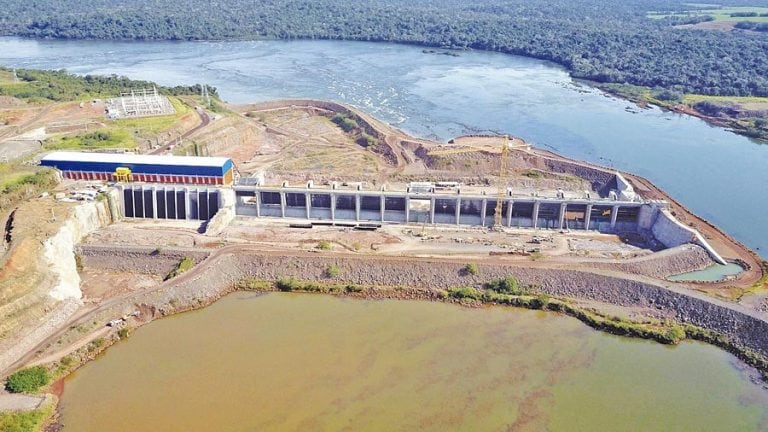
(139,103)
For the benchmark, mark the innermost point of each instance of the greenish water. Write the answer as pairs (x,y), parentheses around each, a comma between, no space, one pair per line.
(311,363)
(713,273)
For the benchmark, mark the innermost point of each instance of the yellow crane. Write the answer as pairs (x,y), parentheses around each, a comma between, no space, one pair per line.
(502,190)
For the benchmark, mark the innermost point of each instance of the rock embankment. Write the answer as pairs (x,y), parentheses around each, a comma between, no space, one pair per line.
(218,275)
(145,260)
(661,265)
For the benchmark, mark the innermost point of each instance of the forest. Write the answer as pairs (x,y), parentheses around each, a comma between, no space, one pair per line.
(600,40)
(37,85)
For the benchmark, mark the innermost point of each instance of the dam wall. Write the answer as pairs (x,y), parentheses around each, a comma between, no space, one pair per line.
(457,208)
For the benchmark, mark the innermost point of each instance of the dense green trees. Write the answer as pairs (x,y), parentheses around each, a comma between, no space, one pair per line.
(28,380)
(751,25)
(62,86)
(601,40)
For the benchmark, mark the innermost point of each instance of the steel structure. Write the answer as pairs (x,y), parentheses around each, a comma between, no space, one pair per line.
(139,103)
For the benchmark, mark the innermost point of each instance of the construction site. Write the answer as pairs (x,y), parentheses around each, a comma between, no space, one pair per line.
(318,181)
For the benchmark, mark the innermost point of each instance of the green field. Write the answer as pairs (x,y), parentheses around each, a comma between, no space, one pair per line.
(719,14)
(157,124)
(740,100)
(13,178)
(26,421)
(6,76)
(98,139)
(125,133)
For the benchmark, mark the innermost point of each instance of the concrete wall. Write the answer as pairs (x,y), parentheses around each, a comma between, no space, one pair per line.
(671,233)
(226,214)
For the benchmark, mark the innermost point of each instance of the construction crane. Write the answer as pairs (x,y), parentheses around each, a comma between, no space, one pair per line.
(502,190)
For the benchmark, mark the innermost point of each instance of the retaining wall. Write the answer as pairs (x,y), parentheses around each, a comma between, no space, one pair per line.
(671,233)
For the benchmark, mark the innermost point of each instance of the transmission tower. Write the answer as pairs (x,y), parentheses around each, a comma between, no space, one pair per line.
(204,94)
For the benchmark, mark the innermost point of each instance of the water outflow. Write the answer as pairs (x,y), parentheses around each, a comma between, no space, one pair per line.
(717,174)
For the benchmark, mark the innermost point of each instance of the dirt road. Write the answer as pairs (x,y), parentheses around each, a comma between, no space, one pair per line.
(205,119)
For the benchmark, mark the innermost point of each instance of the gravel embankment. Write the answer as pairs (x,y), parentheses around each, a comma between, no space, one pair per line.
(145,260)
(217,276)
(660,265)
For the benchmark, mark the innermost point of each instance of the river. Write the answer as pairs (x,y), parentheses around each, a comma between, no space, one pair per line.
(314,362)
(717,174)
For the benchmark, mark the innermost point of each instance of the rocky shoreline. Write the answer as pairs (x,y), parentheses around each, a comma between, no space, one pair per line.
(237,268)
(220,273)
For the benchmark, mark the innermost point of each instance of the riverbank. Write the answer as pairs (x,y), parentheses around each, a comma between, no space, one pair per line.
(226,269)
(666,314)
(662,331)
(747,116)
(322,349)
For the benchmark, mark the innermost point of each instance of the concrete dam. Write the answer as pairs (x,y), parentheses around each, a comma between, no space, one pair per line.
(622,212)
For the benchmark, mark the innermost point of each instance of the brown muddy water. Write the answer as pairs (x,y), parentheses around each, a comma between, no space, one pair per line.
(301,362)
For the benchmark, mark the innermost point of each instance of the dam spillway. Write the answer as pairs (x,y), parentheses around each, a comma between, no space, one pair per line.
(432,207)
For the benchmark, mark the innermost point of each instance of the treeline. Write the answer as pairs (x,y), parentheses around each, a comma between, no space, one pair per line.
(600,40)
(62,86)
(751,25)
(747,14)
(677,20)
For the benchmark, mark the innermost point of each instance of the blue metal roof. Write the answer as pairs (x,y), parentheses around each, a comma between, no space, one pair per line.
(139,164)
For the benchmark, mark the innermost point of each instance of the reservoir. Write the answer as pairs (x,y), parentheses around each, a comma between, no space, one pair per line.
(313,362)
(717,174)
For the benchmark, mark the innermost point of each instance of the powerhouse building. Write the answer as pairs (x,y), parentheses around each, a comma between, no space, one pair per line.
(142,168)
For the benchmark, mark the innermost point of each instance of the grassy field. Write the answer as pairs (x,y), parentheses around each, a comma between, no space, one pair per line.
(155,125)
(123,133)
(6,77)
(745,100)
(31,421)
(98,139)
(719,14)
(10,177)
